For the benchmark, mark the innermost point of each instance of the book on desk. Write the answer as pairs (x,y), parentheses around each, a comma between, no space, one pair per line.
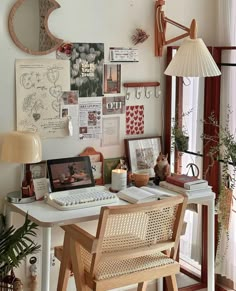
(187,182)
(181,190)
(140,195)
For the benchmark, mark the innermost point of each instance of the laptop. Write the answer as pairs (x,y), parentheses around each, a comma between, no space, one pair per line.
(70,173)
(73,186)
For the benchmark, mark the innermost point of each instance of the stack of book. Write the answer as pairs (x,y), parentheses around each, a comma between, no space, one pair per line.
(186,185)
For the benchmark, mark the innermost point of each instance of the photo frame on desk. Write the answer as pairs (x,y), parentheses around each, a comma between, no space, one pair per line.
(38,170)
(97,163)
(142,153)
(35,180)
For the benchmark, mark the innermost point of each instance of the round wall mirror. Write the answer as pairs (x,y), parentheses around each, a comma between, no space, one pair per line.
(28,26)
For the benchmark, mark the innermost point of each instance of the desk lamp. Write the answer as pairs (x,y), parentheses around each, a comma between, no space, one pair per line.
(21,147)
(193,58)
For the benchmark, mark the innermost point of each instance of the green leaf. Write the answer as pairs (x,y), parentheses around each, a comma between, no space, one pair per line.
(15,245)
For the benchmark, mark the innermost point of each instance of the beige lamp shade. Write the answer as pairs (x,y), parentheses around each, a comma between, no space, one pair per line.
(21,147)
(193,59)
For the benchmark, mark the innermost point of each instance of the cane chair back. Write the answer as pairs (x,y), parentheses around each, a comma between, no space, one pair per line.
(128,247)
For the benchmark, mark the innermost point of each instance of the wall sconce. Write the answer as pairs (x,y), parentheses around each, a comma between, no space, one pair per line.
(193,58)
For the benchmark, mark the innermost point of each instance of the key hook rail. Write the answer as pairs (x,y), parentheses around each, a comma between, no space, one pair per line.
(138,86)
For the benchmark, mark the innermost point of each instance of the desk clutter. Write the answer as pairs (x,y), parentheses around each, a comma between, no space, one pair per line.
(72,183)
(78,182)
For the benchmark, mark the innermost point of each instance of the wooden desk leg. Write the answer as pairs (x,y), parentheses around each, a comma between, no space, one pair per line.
(8,213)
(211,246)
(46,248)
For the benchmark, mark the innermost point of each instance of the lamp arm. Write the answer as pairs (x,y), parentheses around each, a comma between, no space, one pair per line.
(160,29)
(177,24)
(176,38)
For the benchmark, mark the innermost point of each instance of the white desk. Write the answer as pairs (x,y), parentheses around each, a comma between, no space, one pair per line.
(47,217)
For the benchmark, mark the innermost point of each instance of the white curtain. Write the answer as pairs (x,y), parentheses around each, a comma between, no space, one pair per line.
(226,253)
(190,243)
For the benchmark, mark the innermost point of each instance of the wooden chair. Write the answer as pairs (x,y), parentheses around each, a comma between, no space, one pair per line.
(130,246)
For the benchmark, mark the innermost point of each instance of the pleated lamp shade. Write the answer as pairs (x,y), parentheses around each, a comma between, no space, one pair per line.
(21,147)
(193,59)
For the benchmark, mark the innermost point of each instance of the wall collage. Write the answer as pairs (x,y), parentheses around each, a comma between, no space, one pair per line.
(77,88)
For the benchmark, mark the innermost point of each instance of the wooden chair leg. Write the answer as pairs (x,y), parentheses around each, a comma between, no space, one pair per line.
(77,266)
(171,283)
(64,273)
(142,286)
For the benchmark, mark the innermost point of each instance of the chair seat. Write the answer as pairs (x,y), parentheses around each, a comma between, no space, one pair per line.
(110,269)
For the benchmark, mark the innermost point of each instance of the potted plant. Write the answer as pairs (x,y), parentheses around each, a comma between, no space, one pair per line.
(15,245)
(180,138)
(180,133)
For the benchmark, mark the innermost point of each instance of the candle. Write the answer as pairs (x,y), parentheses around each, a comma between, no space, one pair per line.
(118,179)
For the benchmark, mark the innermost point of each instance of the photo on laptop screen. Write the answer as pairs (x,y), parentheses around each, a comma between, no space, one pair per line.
(70,173)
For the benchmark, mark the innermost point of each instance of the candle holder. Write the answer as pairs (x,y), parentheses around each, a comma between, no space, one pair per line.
(118,180)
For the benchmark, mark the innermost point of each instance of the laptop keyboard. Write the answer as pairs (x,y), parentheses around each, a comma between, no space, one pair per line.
(81,198)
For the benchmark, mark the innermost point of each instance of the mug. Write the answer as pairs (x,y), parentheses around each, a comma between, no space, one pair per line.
(140,178)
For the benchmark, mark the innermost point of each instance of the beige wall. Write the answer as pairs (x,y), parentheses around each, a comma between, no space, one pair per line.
(111,22)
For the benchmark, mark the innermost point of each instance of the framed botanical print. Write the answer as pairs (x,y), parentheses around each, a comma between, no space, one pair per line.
(142,153)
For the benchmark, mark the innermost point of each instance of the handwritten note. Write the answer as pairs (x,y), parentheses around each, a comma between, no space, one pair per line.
(40,187)
(55,127)
(39,87)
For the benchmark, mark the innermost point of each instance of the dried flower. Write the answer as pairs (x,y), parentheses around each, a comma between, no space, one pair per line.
(139,36)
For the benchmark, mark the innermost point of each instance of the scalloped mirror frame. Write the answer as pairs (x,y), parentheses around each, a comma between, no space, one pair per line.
(15,39)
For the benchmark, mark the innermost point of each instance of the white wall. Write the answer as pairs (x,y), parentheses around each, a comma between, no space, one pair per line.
(111,22)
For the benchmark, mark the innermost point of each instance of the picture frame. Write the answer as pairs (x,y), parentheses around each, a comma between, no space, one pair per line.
(109,165)
(38,170)
(112,79)
(97,163)
(35,180)
(142,153)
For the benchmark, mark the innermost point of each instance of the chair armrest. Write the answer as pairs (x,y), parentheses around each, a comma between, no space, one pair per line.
(87,240)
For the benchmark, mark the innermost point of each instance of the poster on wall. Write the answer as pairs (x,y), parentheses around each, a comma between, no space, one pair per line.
(111,131)
(90,118)
(134,119)
(113,105)
(39,87)
(86,61)
(69,105)
(112,78)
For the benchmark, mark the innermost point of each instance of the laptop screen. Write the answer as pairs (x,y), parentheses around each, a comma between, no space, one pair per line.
(70,173)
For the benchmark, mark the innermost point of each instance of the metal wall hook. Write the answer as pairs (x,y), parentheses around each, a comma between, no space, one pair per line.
(186,81)
(127,94)
(157,93)
(148,93)
(138,93)
(139,86)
